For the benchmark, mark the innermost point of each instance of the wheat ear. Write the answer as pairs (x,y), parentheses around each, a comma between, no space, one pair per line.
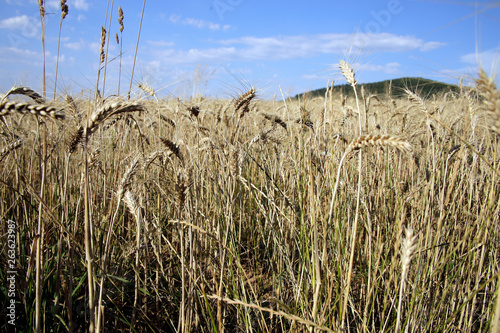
(378,140)
(147,89)
(120,21)
(7,108)
(420,104)
(488,90)
(348,72)
(135,209)
(241,105)
(14,145)
(173,148)
(408,246)
(275,119)
(26,92)
(98,117)
(126,180)
(181,187)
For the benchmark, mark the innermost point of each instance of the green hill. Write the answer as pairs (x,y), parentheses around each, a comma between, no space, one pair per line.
(423,87)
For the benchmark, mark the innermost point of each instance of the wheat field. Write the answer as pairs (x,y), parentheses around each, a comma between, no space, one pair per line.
(341,213)
(239,215)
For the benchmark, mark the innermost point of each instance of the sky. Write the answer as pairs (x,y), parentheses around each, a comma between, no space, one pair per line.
(223,47)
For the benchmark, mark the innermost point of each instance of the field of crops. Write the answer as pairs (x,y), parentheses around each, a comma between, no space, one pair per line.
(354,212)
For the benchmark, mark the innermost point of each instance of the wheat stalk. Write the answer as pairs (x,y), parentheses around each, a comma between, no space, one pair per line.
(136,49)
(135,209)
(38,278)
(64,13)
(275,312)
(359,143)
(421,105)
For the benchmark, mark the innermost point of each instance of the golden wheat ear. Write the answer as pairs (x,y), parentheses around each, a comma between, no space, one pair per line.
(111,109)
(491,98)
(14,145)
(379,141)
(348,72)
(126,180)
(181,187)
(275,119)
(173,148)
(147,89)
(7,108)
(25,91)
(242,103)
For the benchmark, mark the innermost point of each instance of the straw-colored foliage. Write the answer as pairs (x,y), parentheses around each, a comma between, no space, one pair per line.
(354,213)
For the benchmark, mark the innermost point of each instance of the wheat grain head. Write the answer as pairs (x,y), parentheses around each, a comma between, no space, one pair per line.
(379,141)
(7,108)
(488,90)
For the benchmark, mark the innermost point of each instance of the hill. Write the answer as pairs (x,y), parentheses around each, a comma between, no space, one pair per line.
(424,87)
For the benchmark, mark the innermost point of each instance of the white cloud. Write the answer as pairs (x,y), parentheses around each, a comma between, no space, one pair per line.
(174,18)
(431,46)
(386,42)
(389,68)
(79,4)
(17,22)
(24,56)
(160,43)
(75,46)
(20,2)
(250,48)
(200,24)
(299,46)
(13,54)
(487,59)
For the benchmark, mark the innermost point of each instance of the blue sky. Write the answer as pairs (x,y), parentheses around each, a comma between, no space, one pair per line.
(223,46)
